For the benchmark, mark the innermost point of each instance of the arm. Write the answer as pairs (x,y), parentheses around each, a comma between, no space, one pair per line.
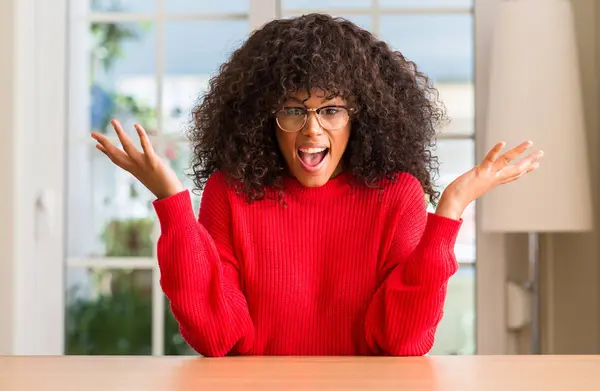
(407,307)
(199,273)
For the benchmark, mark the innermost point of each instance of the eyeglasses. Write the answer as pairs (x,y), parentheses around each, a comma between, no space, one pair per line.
(292,119)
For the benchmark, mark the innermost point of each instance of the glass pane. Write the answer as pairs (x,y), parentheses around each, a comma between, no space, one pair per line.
(210,7)
(457,331)
(321,4)
(362,21)
(425,3)
(457,157)
(459,100)
(123,81)
(189,67)
(109,212)
(175,345)
(141,6)
(109,312)
(440,45)
(177,153)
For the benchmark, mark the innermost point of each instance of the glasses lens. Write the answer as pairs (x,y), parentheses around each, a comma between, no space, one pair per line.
(333,117)
(291,118)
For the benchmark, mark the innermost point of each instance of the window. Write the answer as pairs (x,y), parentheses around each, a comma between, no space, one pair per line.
(131,59)
(438,36)
(147,61)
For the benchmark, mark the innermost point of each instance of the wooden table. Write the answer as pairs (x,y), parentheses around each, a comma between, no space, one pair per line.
(449,373)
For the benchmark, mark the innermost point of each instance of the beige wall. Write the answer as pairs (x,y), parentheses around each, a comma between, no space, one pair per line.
(571,262)
(6,174)
(574,264)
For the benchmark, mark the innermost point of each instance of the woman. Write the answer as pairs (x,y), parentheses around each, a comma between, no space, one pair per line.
(312,146)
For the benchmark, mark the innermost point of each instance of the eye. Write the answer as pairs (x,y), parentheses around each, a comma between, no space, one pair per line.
(292,111)
(331,111)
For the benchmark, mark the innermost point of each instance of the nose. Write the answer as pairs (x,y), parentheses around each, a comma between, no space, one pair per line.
(312,127)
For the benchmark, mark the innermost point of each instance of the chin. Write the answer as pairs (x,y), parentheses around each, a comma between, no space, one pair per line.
(313,180)
(314,175)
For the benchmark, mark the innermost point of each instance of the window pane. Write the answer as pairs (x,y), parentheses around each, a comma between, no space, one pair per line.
(459,100)
(175,345)
(440,45)
(362,21)
(330,4)
(189,67)
(109,312)
(456,332)
(195,6)
(457,157)
(177,153)
(142,6)
(109,212)
(123,81)
(425,3)
(442,48)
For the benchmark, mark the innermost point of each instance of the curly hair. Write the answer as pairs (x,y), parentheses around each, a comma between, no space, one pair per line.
(393,127)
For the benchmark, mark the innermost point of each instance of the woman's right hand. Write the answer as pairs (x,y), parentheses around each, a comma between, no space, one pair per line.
(145,165)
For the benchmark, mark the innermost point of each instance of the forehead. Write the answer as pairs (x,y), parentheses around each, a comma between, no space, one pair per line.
(314,98)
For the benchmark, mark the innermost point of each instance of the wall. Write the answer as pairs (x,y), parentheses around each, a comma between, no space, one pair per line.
(570,264)
(32,110)
(573,264)
(6,175)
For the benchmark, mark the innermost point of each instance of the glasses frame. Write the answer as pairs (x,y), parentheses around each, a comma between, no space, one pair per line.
(317,111)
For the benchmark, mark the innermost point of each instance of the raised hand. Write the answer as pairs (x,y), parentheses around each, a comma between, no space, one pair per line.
(493,171)
(145,165)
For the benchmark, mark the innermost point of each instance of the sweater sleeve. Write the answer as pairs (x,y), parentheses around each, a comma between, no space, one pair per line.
(199,272)
(407,307)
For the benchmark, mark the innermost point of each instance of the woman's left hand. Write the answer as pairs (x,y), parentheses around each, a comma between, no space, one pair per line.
(490,173)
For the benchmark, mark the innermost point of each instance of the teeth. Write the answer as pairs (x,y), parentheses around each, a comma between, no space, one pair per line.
(312,150)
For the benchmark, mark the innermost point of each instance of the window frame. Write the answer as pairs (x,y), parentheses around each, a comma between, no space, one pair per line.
(37,309)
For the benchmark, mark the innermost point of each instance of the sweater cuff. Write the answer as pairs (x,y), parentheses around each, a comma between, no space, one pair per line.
(442,231)
(174,210)
(434,261)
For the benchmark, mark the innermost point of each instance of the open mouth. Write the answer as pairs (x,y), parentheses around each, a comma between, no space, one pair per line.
(312,157)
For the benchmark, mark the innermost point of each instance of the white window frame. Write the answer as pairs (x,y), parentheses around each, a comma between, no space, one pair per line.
(37,327)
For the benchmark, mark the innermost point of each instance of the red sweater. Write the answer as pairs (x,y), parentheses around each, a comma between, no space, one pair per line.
(340,270)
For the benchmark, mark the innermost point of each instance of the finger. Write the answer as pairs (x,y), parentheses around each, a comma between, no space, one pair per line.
(126,142)
(491,155)
(514,178)
(511,155)
(522,167)
(100,148)
(118,157)
(146,145)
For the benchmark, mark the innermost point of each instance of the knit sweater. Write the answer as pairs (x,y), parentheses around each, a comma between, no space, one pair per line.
(340,269)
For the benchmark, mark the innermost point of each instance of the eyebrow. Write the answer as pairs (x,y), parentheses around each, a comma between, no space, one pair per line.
(323,100)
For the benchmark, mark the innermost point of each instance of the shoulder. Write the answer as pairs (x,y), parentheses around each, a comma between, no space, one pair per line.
(404,195)
(403,186)
(218,183)
(216,190)
(217,180)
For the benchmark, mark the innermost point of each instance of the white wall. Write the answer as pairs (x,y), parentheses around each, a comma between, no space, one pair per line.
(32,110)
(7,175)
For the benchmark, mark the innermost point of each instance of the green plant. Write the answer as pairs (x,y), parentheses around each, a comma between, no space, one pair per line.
(118,322)
(129,237)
